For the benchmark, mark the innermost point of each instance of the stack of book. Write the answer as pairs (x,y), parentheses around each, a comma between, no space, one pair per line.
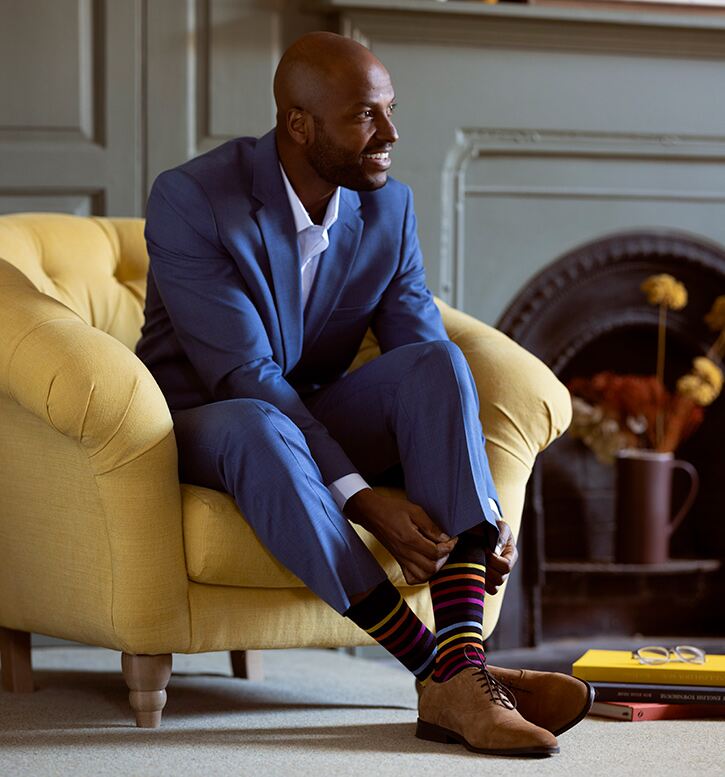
(629,690)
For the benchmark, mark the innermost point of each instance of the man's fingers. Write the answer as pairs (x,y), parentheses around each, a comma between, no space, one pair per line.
(509,555)
(422,545)
(441,562)
(413,574)
(427,526)
(498,569)
(506,546)
(492,588)
(502,562)
(427,547)
(428,566)
(498,564)
(495,578)
(446,548)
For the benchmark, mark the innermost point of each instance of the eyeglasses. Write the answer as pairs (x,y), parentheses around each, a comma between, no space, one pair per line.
(656,654)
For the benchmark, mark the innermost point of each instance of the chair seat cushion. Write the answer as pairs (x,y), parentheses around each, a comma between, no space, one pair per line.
(222,549)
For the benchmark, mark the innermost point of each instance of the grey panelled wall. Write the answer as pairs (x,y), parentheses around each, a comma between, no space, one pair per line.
(70,106)
(524,130)
(528,131)
(98,96)
(210,68)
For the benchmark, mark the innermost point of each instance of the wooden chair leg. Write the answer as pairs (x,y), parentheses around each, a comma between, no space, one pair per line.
(147,678)
(247,664)
(17,669)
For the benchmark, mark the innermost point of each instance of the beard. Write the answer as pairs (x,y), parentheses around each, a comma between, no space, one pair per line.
(338,165)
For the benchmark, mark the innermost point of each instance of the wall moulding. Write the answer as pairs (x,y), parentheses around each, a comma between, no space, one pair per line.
(199,75)
(478,144)
(73,137)
(77,201)
(529,28)
(230,39)
(84,63)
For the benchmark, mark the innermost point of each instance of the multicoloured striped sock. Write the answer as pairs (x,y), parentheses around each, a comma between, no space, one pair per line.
(457,591)
(386,617)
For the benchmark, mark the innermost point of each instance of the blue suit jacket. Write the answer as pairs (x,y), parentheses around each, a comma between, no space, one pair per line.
(224,314)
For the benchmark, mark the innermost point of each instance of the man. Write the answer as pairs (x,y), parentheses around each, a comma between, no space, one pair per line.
(270,259)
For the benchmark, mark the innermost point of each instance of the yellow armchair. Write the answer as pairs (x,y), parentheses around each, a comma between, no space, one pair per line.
(99,543)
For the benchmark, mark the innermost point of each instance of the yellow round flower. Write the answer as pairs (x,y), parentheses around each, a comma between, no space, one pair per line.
(708,372)
(693,388)
(665,290)
(715,319)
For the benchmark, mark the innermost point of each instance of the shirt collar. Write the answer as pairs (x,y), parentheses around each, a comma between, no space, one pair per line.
(301,216)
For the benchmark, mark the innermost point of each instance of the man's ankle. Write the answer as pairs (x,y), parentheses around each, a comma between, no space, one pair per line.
(355,598)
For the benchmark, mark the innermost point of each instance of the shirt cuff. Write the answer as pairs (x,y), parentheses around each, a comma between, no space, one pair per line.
(345,487)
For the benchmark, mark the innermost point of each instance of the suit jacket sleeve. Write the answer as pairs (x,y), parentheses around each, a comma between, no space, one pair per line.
(215,321)
(407,312)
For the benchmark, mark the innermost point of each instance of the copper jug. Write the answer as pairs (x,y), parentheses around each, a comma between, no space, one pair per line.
(644,504)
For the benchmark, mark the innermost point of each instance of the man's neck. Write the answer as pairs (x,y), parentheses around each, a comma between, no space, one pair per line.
(314,193)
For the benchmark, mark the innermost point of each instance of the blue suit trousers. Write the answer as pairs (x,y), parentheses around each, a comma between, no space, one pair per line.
(415,406)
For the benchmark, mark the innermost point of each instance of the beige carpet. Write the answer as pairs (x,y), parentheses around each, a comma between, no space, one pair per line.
(318,713)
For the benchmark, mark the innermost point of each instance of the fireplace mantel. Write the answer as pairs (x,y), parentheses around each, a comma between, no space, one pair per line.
(693,18)
(693,33)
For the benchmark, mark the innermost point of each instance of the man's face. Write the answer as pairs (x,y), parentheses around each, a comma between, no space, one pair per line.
(354,133)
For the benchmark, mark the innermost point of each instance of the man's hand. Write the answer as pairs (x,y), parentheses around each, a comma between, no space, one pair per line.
(404,528)
(500,562)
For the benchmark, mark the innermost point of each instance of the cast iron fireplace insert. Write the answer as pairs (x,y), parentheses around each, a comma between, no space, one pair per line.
(582,314)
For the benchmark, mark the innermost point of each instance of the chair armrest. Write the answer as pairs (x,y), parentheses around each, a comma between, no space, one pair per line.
(89,388)
(524,406)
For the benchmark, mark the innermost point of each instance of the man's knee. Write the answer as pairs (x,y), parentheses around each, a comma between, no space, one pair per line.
(256,419)
(437,354)
(225,424)
(441,371)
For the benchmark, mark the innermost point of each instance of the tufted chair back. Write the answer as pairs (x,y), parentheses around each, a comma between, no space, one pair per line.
(96,267)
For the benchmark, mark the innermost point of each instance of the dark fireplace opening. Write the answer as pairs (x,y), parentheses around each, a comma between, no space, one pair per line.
(578,490)
(583,314)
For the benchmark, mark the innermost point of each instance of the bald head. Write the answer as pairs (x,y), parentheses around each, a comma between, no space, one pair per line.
(334,107)
(318,66)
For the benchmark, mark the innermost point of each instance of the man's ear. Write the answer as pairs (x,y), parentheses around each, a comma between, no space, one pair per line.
(300,126)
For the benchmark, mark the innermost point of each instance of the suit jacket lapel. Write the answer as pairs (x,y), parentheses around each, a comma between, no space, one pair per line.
(334,265)
(276,223)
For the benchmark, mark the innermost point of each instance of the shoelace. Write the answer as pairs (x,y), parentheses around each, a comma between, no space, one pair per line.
(499,693)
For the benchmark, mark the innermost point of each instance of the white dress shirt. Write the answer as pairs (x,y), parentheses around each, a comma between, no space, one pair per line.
(313,240)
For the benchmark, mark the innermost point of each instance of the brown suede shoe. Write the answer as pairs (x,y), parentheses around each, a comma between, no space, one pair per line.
(477,711)
(552,700)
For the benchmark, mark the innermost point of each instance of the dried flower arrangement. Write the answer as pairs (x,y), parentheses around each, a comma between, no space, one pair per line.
(613,412)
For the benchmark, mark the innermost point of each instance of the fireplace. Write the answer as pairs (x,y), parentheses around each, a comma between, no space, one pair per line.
(582,314)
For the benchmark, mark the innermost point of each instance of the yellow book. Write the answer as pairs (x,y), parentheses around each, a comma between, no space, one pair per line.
(619,666)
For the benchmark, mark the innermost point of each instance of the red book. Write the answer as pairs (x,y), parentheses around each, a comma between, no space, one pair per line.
(634,711)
